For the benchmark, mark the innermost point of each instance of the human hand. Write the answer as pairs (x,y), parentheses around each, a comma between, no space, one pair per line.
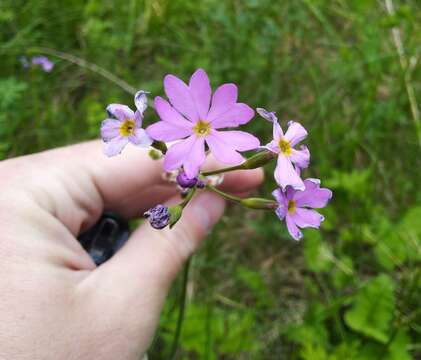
(55,303)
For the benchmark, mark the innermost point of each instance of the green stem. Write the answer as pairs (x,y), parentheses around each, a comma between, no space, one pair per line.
(252,203)
(85,64)
(188,197)
(226,196)
(253,162)
(181,311)
(224,170)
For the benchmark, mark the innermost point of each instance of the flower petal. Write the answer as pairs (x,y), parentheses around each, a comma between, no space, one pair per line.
(200,90)
(119,111)
(272,146)
(313,196)
(189,152)
(280,198)
(307,218)
(141,101)
(138,118)
(295,133)
(269,116)
(223,151)
(180,97)
(290,192)
(300,158)
(165,131)
(239,140)
(167,113)
(277,132)
(115,146)
(236,115)
(285,174)
(140,138)
(292,228)
(223,99)
(195,158)
(110,129)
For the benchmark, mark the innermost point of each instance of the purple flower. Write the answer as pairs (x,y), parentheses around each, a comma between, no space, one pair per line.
(44,62)
(159,216)
(289,159)
(296,206)
(184,181)
(195,119)
(124,126)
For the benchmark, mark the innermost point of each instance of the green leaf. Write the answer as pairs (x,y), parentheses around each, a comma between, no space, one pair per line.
(400,243)
(373,309)
(317,254)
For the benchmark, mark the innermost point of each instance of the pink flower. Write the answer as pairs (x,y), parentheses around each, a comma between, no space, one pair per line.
(289,159)
(124,126)
(296,206)
(194,118)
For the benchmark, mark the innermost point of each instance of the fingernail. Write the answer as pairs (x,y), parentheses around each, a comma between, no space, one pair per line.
(208,209)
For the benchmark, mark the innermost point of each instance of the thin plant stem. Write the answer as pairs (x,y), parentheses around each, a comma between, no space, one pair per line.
(224,170)
(181,311)
(87,65)
(188,197)
(226,196)
(406,68)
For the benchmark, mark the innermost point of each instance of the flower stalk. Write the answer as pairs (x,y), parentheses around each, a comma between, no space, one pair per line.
(258,160)
(252,203)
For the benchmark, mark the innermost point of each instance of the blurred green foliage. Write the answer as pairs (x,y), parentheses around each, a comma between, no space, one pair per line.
(350,291)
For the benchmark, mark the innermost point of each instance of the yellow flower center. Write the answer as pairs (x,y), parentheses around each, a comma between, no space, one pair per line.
(285,147)
(127,127)
(291,206)
(202,128)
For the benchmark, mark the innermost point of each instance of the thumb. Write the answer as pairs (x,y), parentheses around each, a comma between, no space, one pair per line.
(134,282)
(161,253)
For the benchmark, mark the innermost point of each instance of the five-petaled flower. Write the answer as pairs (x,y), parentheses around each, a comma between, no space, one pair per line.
(124,126)
(289,159)
(192,117)
(296,206)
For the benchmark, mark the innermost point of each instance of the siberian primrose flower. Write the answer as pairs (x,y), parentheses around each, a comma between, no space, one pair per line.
(296,207)
(124,126)
(289,158)
(194,117)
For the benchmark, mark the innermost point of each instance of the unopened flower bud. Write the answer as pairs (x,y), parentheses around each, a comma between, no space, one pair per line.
(200,184)
(258,160)
(155,154)
(259,203)
(184,181)
(158,216)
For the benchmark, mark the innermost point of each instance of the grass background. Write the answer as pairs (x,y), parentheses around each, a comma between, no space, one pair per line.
(350,291)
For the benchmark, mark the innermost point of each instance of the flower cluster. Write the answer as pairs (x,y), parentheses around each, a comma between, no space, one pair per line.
(45,63)
(192,123)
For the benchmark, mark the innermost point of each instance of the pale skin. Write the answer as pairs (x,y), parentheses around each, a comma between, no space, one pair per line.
(55,303)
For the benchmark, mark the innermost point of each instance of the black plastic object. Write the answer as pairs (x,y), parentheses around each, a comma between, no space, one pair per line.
(105,238)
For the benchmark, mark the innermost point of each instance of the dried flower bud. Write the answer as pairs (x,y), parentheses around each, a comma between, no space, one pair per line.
(158,216)
(184,181)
